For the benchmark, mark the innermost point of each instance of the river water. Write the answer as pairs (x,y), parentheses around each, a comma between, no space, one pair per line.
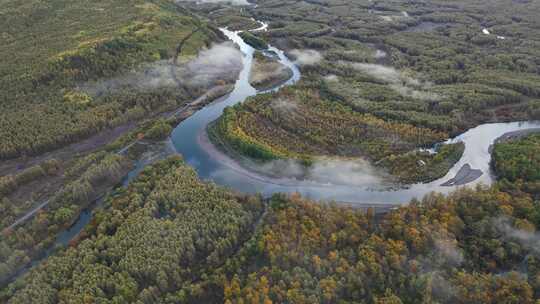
(189,139)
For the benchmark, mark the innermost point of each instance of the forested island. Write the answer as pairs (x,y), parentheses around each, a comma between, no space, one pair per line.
(97,205)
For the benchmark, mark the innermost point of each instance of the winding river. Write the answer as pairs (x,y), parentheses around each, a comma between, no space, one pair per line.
(190,140)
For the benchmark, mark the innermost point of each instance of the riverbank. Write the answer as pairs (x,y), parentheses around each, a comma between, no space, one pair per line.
(467,169)
(516,158)
(217,150)
(515,135)
(216,166)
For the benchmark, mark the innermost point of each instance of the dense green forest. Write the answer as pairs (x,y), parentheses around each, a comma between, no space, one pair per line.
(53,48)
(518,162)
(159,234)
(67,188)
(428,67)
(169,238)
(85,181)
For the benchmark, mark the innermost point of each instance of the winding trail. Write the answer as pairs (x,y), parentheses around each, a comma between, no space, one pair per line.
(27,216)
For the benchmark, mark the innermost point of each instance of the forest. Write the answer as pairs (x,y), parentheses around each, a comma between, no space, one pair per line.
(517,161)
(425,71)
(438,250)
(43,101)
(303,125)
(381,81)
(170,238)
(60,86)
(162,232)
(85,182)
(65,189)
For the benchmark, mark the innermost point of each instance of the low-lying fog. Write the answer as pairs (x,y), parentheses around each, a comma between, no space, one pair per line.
(220,62)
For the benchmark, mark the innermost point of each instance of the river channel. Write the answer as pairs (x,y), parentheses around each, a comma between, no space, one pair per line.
(190,140)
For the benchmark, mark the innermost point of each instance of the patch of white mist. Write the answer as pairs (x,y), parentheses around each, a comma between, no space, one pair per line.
(344,172)
(447,249)
(331,78)
(306,56)
(395,18)
(399,81)
(379,54)
(221,61)
(445,253)
(527,239)
(327,171)
(213,64)
(442,289)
